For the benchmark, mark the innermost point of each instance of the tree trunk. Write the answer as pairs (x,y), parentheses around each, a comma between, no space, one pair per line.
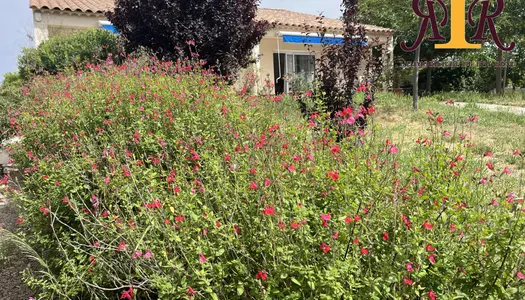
(505,73)
(499,83)
(415,79)
(429,80)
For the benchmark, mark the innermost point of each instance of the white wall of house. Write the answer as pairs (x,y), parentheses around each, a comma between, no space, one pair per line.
(51,22)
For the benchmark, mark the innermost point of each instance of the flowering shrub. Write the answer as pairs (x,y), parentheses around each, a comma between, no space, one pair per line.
(160,181)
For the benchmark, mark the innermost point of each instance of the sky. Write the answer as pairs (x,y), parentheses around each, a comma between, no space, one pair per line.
(16,24)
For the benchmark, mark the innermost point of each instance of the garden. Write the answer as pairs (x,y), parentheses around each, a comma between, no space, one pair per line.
(146,176)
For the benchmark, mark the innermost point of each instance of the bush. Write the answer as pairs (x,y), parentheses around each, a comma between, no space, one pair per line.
(69,51)
(10,100)
(159,181)
(223,33)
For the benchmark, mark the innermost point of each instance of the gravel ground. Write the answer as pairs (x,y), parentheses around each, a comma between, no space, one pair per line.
(11,285)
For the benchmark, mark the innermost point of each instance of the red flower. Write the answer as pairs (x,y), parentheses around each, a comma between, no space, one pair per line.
(122,246)
(325,247)
(452,227)
(490,166)
(44,210)
(432,258)
(348,219)
(262,275)
(439,119)
(179,219)
(267,182)
(407,281)
(364,251)
(268,210)
(190,292)
(385,236)
(253,186)
(308,93)
(335,236)
(432,295)
(516,152)
(127,294)
(202,258)
(325,217)
(427,225)
(429,248)
(333,175)
(19,221)
(335,149)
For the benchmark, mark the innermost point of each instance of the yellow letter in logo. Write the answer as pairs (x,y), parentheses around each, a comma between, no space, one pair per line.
(458,23)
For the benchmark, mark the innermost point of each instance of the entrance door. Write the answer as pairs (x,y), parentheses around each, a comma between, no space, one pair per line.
(279,72)
(294,72)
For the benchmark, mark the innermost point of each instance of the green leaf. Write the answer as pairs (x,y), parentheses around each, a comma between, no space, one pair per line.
(296,281)
(240,289)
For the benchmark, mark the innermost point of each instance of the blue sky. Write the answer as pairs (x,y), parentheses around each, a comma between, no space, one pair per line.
(16,24)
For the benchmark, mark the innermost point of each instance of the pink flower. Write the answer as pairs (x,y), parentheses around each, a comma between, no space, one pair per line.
(106,180)
(452,227)
(393,150)
(262,275)
(291,168)
(335,236)
(432,295)
(44,210)
(385,236)
(349,219)
(410,268)
(148,255)
(179,218)
(520,275)
(516,152)
(122,246)
(127,294)
(308,93)
(202,258)
(137,254)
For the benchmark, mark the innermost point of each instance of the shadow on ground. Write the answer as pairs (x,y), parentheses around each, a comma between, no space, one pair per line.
(12,262)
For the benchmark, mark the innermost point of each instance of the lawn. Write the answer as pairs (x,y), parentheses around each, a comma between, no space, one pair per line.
(511,97)
(500,133)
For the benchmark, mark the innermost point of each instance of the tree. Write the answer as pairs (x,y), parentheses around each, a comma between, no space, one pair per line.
(222,32)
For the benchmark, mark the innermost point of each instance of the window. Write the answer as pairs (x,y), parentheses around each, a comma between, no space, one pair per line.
(296,74)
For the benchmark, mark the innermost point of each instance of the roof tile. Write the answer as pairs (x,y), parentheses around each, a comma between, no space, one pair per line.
(277,17)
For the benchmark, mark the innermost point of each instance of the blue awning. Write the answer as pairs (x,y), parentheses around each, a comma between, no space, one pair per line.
(110,28)
(314,40)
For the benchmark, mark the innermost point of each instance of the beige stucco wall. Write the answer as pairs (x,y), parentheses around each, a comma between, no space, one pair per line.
(272,43)
(46,22)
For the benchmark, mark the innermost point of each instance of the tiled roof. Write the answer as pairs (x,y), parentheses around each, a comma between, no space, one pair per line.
(283,17)
(93,6)
(277,17)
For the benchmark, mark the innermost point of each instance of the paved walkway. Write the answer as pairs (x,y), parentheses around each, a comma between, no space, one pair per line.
(494,107)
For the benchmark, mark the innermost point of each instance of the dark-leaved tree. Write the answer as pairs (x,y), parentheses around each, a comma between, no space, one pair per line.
(224,31)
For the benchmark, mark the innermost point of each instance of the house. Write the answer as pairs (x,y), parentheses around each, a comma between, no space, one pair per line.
(281,52)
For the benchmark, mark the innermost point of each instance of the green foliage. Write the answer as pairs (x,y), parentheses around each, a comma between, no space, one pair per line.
(159,181)
(10,99)
(68,51)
